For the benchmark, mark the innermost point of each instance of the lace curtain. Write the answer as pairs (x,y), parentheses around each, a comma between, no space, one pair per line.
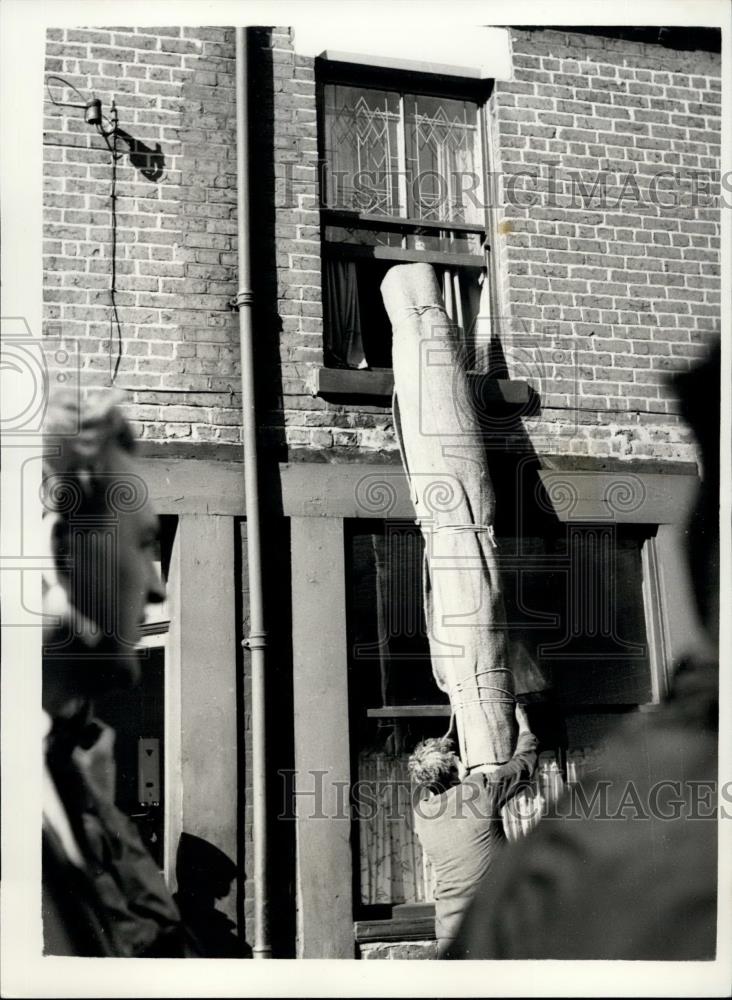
(393,867)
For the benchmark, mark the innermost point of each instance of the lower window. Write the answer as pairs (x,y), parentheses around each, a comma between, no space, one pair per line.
(576,620)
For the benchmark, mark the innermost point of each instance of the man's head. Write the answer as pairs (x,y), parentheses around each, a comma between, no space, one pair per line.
(434,764)
(102,531)
(699,392)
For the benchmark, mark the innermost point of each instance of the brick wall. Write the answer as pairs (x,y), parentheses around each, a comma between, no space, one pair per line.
(176,251)
(598,304)
(286,226)
(616,295)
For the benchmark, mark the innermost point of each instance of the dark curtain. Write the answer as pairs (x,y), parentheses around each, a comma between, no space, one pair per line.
(343,339)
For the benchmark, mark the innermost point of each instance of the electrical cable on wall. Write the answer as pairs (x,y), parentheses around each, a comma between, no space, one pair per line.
(114,317)
(65,104)
(93,116)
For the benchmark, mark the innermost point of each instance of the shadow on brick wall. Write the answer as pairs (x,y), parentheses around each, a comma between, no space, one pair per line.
(150,162)
(268,323)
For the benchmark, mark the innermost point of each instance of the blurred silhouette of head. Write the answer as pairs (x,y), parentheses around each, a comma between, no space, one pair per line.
(202,870)
(101,532)
(699,392)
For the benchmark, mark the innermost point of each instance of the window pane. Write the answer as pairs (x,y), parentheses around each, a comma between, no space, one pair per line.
(357,329)
(363,236)
(157,613)
(445,242)
(435,240)
(390,652)
(361,149)
(443,159)
(138,714)
(574,602)
(464,292)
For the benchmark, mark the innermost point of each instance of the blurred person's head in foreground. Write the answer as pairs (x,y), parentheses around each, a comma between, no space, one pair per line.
(101,532)
(203,872)
(699,391)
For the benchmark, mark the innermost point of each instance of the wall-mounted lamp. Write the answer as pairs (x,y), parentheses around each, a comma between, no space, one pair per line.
(92,109)
(149,162)
(93,112)
(93,116)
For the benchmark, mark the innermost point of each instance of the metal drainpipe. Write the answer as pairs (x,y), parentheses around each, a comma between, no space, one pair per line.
(256,641)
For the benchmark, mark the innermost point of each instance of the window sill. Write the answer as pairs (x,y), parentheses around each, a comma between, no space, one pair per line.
(377,384)
(408,711)
(416,923)
(339,383)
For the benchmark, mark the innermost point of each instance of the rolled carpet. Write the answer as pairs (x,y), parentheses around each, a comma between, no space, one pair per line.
(443,452)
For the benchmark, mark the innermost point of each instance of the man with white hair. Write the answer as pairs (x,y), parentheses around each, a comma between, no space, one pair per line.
(458,818)
(102,892)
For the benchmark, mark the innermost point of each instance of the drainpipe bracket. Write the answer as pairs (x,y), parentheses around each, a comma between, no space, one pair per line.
(244,297)
(255,640)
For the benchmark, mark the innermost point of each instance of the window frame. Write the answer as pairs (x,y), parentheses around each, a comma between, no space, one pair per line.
(386,921)
(405,82)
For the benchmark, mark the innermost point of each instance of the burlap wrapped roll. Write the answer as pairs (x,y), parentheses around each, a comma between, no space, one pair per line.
(444,458)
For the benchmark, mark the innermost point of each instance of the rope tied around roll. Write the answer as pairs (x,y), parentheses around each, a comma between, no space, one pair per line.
(457,528)
(472,682)
(420,310)
(461,703)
